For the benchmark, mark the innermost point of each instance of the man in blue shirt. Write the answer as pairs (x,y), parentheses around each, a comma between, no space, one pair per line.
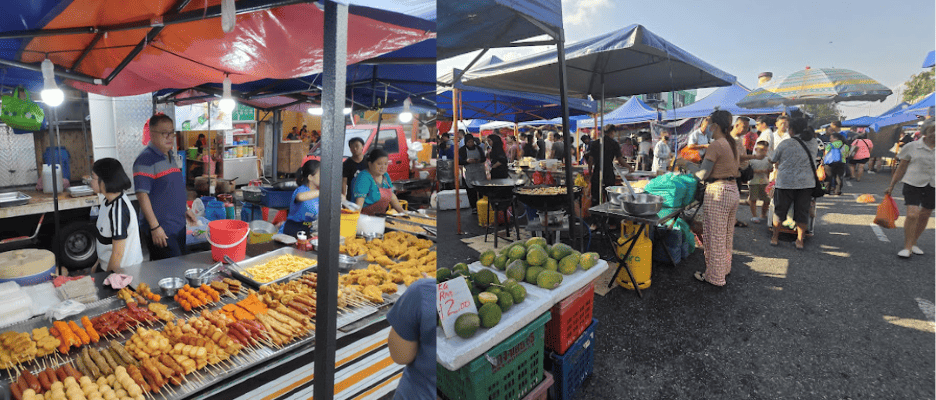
(412,340)
(158,181)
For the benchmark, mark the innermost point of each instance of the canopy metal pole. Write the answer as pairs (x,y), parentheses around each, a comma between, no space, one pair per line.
(455,100)
(602,136)
(56,181)
(567,142)
(335,45)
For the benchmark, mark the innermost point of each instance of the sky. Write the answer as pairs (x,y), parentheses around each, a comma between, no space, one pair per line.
(886,40)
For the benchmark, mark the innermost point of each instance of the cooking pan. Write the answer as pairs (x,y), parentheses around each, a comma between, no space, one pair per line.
(546,202)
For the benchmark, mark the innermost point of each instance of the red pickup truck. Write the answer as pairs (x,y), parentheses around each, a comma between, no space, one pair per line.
(390,139)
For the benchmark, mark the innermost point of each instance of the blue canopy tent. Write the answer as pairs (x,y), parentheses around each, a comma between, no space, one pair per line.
(930,59)
(506,105)
(574,122)
(724,98)
(484,24)
(473,125)
(625,62)
(466,26)
(909,114)
(634,111)
(859,122)
(608,64)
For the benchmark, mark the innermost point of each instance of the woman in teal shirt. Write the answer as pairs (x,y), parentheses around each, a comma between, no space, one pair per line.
(372,189)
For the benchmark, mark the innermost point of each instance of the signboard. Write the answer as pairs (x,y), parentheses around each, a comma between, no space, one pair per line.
(202,117)
(454,299)
(243,113)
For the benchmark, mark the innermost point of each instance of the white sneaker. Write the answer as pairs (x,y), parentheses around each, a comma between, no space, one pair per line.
(903,253)
(917,250)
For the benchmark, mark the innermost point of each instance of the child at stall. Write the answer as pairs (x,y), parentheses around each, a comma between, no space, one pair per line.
(758,184)
(304,207)
(118,234)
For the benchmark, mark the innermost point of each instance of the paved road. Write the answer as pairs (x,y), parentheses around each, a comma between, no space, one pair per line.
(844,319)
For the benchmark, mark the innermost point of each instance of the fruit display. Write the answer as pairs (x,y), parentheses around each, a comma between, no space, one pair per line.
(535,262)
(492,298)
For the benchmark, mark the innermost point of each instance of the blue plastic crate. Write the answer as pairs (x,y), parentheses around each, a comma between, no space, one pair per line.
(275,198)
(570,370)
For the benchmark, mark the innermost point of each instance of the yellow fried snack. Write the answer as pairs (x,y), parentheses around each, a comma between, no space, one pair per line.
(280,267)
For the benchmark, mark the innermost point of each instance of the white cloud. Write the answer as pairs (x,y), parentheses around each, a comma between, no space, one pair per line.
(577,12)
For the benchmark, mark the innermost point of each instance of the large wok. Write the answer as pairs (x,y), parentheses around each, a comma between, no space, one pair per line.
(545,202)
(497,188)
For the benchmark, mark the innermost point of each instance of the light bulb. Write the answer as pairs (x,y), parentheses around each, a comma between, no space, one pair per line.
(315,110)
(347,110)
(227,101)
(51,94)
(406,115)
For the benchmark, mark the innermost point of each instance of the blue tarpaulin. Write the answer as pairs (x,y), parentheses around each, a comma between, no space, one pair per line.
(466,26)
(725,98)
(634,111)
(930,59)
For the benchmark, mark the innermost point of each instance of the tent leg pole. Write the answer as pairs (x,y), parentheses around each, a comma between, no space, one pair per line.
(567,141)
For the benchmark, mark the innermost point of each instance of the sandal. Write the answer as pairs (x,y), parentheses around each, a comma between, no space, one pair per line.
(774,242)
(699,277)
(740,224)
(800,245)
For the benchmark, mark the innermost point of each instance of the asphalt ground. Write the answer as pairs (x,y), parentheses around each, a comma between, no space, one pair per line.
(843,319)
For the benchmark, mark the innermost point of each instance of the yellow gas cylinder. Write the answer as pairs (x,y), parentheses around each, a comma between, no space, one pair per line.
(485,217)
(580,180)
(640,259)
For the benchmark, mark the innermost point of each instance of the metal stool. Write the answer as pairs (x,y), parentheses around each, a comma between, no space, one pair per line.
(500,205)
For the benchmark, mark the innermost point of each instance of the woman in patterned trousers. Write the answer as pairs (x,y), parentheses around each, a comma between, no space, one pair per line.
(719,171)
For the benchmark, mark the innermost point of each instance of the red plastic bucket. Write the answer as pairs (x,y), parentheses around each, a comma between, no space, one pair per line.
(228,237)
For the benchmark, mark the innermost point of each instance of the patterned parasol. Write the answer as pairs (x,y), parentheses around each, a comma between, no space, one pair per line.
(816,86)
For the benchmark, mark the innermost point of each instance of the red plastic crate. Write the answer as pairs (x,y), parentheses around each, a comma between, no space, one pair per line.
(570,318)
(541,391)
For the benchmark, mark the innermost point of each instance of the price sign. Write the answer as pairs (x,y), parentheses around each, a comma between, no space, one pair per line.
(454,299)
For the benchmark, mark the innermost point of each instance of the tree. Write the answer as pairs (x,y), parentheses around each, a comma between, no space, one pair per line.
(919,85)
(822,113)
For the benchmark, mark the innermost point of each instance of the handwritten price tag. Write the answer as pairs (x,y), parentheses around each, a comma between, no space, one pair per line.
(454,299)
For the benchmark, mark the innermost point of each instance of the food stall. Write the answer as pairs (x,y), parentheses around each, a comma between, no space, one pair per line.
(237,297)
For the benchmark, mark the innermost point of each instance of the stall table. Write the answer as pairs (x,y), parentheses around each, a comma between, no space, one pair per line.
(607,211)
(364,368)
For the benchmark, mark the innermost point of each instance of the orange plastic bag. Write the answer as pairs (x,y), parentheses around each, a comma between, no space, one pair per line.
(691,155)
(887,213)
(821,173)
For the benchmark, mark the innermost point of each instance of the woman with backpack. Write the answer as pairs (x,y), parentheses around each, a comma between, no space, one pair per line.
(860,154)
(834,162)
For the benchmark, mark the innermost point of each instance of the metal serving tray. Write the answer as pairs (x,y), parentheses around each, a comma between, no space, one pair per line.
(12,199)
(258,260)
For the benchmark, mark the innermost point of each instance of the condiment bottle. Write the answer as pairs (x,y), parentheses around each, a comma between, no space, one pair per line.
(301,241)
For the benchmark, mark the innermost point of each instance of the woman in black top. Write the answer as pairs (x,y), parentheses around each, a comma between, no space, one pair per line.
(528,149)
(498,158)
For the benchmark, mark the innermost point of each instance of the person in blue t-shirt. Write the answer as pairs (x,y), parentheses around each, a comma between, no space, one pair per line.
(372,189)
(304,206)
(412,340)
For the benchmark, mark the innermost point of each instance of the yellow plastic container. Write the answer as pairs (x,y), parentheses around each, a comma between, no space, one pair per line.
(349,221)
(485,217)
(640,259)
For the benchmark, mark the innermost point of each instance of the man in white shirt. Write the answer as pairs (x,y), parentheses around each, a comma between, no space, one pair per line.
(699,139)
(773,138)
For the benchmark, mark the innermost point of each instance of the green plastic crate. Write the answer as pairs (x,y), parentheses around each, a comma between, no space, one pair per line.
(519,369)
